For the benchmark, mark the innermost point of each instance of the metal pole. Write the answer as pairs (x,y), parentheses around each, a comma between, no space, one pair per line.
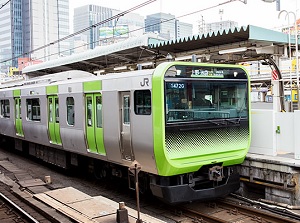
(290,60)
(137,193)
(297,65)
(290,52)
(135,168)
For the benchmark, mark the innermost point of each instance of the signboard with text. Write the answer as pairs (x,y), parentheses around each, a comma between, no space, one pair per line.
(121,31)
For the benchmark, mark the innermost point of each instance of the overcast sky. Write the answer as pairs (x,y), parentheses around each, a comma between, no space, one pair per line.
(255,12)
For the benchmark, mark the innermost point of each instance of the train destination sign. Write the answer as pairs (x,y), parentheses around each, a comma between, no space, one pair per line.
(208,73)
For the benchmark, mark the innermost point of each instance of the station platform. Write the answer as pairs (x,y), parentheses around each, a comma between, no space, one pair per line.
(272,178)
(84,208)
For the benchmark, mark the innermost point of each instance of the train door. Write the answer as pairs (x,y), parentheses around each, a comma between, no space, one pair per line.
(126,148)
(18,118)
(53,121)
(94,129)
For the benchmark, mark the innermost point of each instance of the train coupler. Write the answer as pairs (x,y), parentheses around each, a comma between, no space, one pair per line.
(216,173)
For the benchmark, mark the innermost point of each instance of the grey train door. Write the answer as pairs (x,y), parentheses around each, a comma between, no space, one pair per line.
(126,148)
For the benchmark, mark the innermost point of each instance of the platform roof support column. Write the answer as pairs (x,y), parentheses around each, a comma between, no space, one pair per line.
(276,107)
(275,90)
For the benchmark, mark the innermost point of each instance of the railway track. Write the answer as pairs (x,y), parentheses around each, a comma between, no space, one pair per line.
(14,210)
(227,210)
(231,209)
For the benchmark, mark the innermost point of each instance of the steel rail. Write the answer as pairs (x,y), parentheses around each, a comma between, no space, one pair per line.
(19,209)
(250,211)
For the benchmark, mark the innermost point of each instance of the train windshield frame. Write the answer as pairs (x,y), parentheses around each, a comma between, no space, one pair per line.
(206,96)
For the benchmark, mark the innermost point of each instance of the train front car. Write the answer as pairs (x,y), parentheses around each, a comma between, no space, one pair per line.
(201,130)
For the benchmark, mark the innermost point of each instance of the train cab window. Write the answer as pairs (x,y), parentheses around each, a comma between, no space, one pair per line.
(70,111)
(142,102)
(5,110)
(33,109)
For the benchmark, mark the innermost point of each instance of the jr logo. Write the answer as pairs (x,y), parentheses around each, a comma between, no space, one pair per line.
(145,82)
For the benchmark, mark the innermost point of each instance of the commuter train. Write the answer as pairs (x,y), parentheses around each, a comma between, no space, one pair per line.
(186,146)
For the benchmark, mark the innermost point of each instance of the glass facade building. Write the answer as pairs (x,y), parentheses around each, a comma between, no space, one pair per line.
(88,15)
(108,31)
(27,25)
(204,28)
(167,26)
(6,32)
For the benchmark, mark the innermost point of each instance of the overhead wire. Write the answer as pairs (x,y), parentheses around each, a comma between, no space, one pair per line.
(154,24)
(4,4)
(110,19)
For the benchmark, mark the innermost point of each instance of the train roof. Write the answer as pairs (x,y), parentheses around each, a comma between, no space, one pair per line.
(127,74)
(50,78)
(72,76)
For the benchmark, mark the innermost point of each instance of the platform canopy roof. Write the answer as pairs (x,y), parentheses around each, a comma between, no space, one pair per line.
(128,52)
(228,46)
(243,43)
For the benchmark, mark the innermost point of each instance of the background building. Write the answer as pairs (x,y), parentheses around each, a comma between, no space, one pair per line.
(167,26)
(27,25)
(134,21)
(161,23)
(215,26)
(88,15)
(11,34)
(126,26)
(79,44)
(183,29)
(63,22)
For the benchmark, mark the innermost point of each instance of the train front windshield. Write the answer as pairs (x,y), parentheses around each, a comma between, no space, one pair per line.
(206,95)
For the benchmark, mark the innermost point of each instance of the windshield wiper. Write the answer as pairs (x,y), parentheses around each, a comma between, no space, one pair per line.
(234,120)
(219,122)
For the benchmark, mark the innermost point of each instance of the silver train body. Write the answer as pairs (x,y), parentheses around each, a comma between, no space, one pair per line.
(74,137)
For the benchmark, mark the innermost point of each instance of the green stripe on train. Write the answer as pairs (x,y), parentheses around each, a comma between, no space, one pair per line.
(92,86)
(17,93)
(52,89)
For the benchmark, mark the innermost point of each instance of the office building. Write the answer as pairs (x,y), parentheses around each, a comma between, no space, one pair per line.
(28,25)
(167,26)
(106,30)
(183,29)
(204,28)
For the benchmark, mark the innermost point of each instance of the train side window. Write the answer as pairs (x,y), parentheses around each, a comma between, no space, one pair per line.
(17,108)
(99,111)
(5,110)
(70,111)
(50,110)
(56,110)
(89,110)
(126,112)
(20,110)
(33,109)
(142,102)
